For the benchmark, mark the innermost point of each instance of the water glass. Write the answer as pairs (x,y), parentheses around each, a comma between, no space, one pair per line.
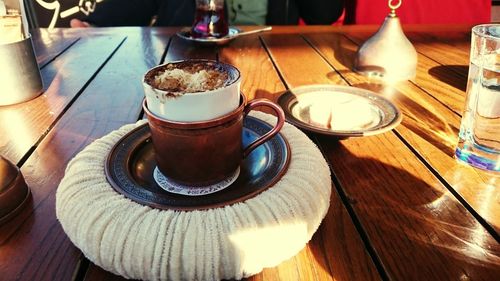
(479,137)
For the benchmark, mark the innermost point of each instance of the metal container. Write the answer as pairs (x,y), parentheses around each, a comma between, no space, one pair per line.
(20,78)
(388,54)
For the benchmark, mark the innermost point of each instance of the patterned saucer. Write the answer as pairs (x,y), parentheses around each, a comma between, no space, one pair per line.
(178,188)
(131,164)
(233,33)
(339,111)
(185,34)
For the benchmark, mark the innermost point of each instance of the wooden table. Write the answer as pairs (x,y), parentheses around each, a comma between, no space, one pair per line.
(402,208)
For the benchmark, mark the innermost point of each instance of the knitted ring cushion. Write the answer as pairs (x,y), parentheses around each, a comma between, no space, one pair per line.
(234,241)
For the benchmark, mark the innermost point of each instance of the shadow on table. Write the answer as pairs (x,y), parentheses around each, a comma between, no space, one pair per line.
(345,54)
(399,207)
(450,74)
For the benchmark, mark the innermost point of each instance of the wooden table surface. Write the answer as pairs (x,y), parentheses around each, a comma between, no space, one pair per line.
(402,208)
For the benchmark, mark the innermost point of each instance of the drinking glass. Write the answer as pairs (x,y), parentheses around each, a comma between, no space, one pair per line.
(479,137)
(209,19)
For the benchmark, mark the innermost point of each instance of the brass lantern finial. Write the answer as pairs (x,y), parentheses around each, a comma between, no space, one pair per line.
(394,7)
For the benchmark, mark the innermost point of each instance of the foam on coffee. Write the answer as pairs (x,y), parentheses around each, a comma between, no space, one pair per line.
(183,78)
(192,90)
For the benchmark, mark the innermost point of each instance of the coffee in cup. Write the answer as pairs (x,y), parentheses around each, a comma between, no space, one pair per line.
(205,152)
(192,90)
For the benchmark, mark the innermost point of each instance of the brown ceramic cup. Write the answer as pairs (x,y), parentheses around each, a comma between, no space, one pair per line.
(205,152)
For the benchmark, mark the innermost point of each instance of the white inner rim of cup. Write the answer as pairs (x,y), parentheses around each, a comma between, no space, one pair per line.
(225,65)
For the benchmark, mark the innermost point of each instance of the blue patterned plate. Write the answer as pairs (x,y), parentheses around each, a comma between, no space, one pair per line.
(130,170)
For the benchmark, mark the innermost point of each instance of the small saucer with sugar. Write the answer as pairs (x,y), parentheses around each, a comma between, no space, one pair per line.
(339,110)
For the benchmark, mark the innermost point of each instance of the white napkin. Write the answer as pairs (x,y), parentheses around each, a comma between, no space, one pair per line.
(336,112)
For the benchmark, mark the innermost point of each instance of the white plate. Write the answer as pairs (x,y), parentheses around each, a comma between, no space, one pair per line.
(339,110)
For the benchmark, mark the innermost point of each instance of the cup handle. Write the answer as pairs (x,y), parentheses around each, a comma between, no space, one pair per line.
(279,124)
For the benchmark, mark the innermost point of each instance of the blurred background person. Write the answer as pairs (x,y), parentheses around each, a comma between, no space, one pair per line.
(239,12)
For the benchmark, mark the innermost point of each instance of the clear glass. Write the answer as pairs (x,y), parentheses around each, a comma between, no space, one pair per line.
(479,137)
(209,19)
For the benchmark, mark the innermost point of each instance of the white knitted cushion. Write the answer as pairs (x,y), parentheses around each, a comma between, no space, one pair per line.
(235,241)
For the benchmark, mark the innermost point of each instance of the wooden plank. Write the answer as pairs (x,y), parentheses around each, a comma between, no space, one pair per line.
(410,219)
(339,242)
(258,76)
(33,244)
(95,273)
(180,49)
(409,216)
(438,46)
(294,57)
(23,124)
(444,85)
(315,261)
(48,45)
(430,128)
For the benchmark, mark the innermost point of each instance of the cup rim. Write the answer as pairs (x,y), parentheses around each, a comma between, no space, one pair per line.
(195,124)
(477,32)
(235,81)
